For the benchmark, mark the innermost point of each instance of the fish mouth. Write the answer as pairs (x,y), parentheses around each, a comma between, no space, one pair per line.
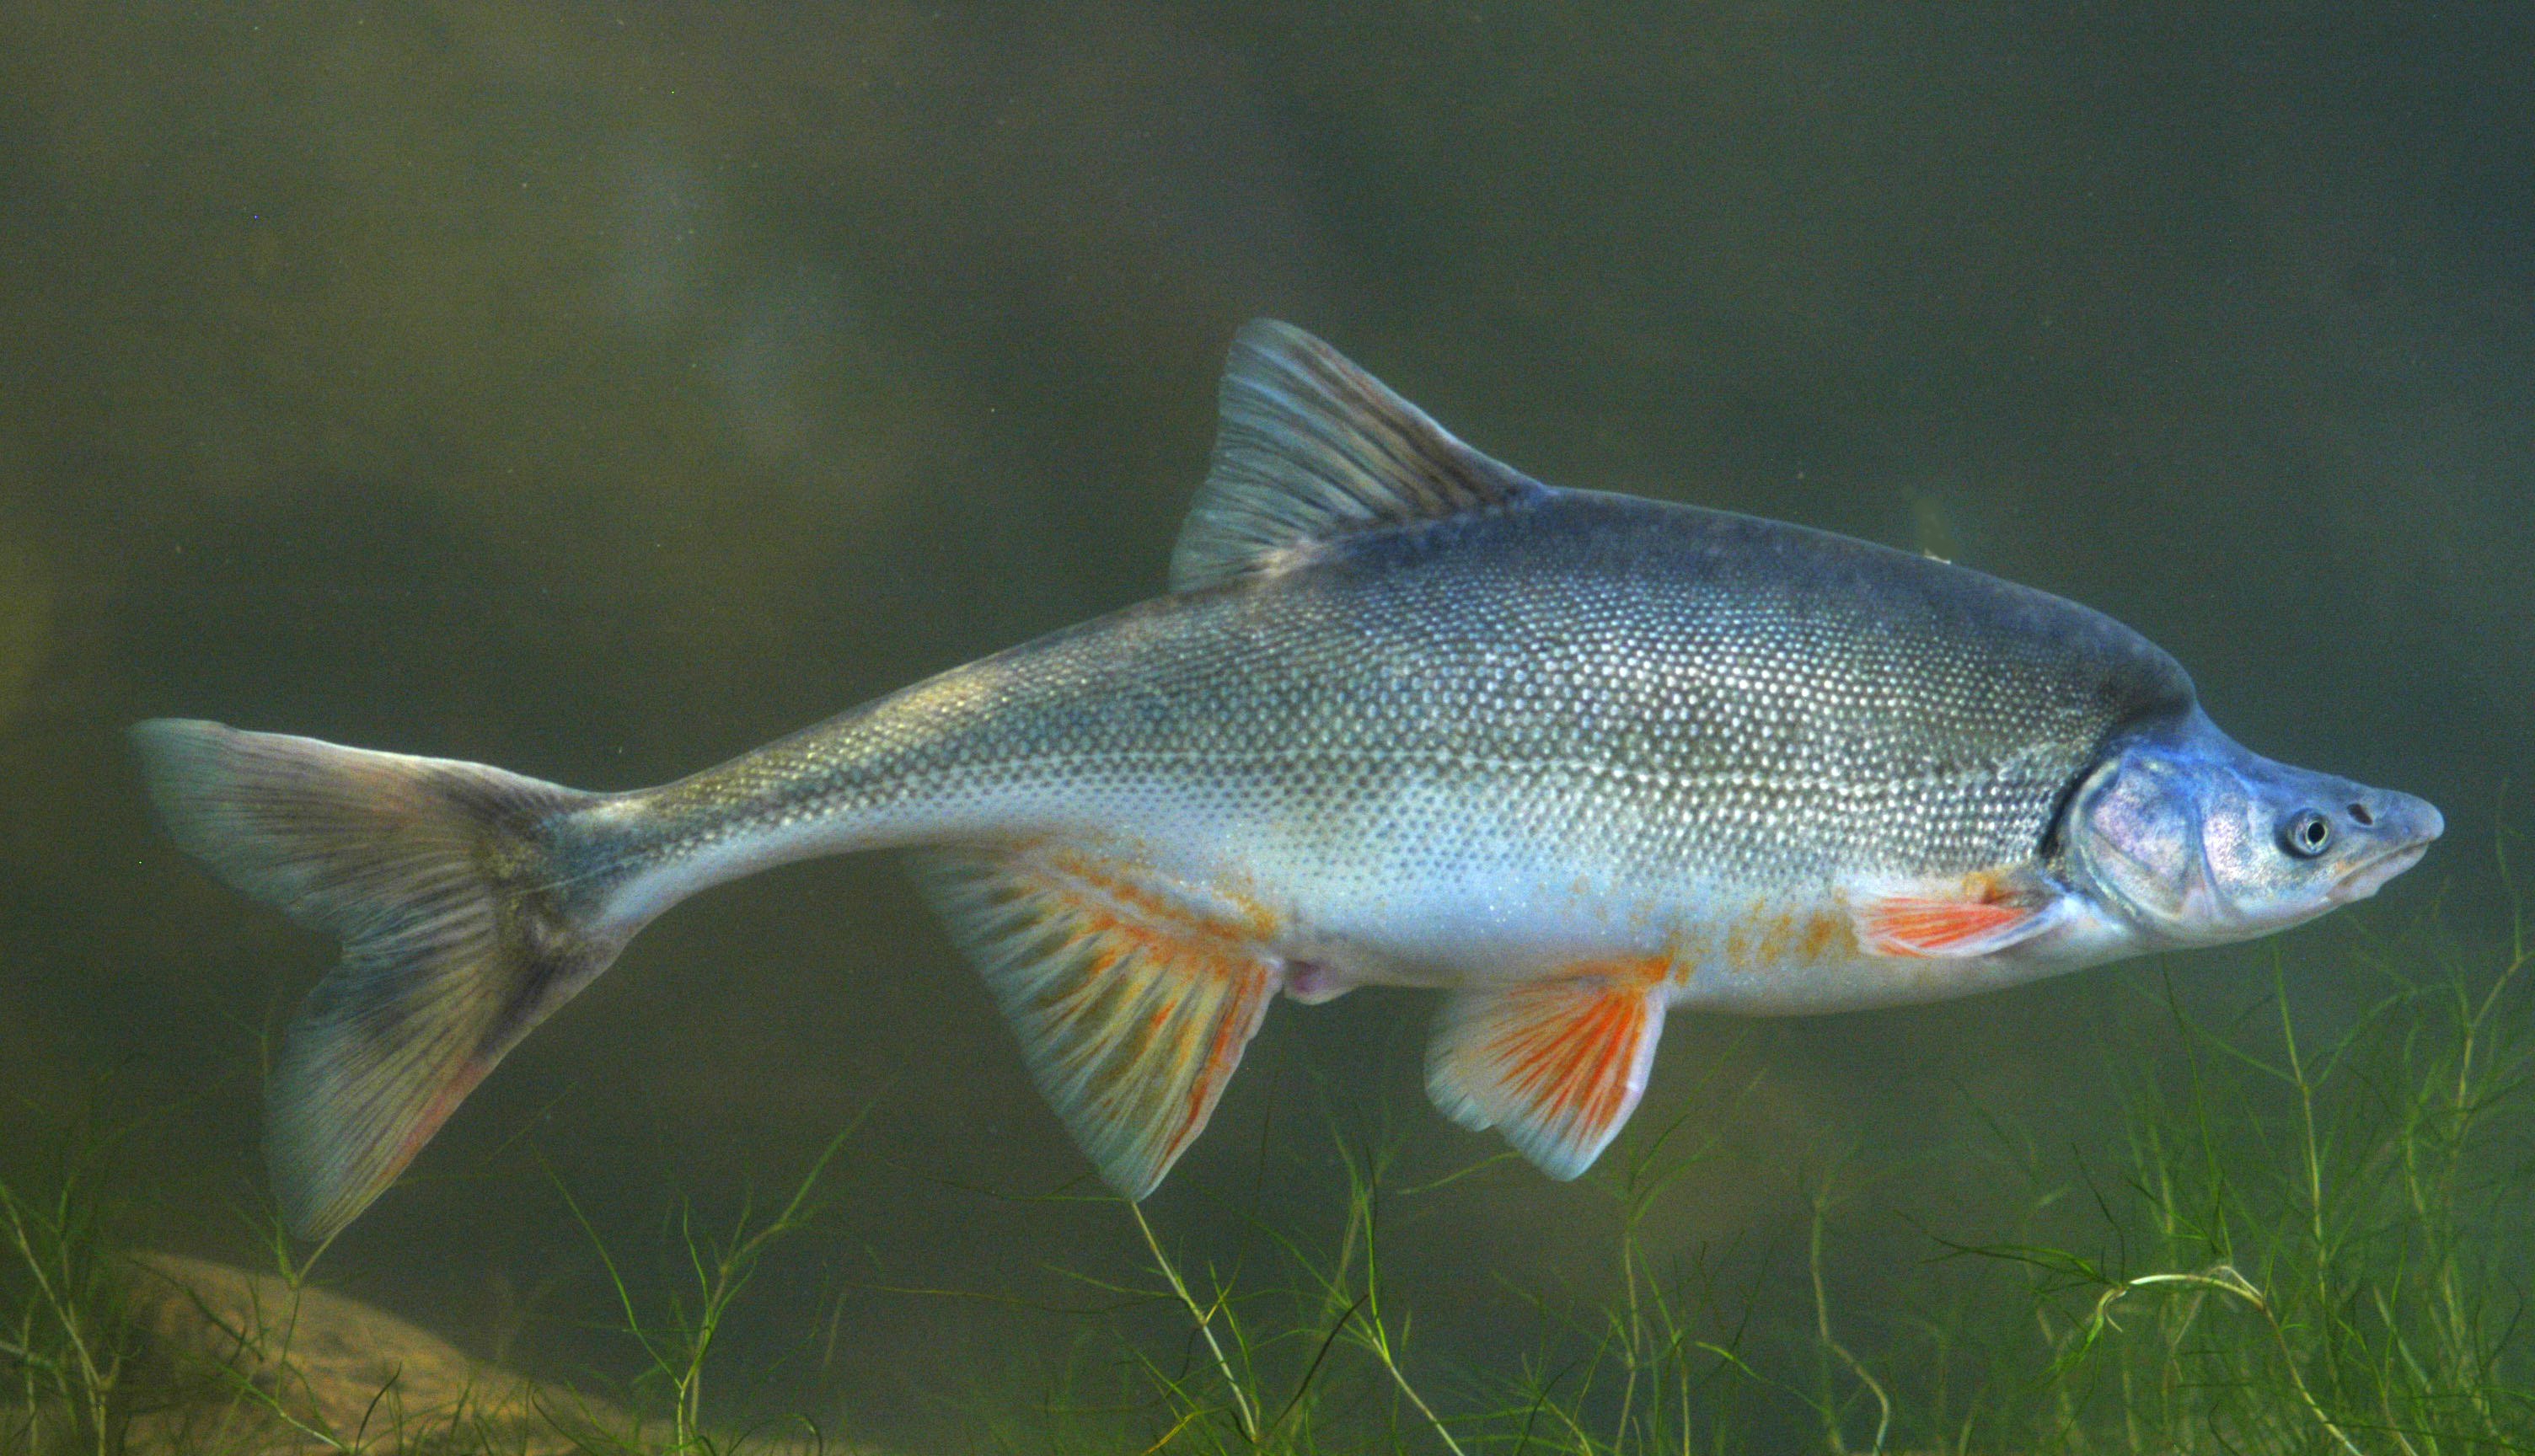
(2367,876)
(2367,879)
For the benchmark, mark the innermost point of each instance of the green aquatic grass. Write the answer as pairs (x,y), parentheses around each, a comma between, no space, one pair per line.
(84,1375)
(2315,1244)
(2312,1237)
(675,1333)
(67,1334)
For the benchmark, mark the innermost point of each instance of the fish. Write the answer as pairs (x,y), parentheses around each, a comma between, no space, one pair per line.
(1407,717)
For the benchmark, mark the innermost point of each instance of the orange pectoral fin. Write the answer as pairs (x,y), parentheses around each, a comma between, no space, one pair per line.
(1556,1066)
(1934,927)
(1132,1000)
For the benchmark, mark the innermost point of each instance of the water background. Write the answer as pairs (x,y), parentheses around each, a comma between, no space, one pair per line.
(601,390)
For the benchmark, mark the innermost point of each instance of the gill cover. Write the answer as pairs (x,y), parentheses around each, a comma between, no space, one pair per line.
(2135,832)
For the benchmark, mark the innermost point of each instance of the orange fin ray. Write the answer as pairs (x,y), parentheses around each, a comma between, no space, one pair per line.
(1935,926)
(1556,1066)
(1131,998)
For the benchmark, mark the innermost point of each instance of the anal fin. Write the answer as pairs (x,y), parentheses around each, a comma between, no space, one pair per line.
(1133,996)
(1556,1064)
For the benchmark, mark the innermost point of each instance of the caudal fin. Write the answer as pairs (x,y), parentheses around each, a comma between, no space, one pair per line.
(462,923)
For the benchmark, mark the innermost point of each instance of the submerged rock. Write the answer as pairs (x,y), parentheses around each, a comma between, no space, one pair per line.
(244,1365)
(243,1362)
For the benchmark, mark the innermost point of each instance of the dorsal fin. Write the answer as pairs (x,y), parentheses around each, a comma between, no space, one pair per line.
(1310,449)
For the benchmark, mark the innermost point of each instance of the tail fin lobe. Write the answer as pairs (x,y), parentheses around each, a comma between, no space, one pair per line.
(461,928)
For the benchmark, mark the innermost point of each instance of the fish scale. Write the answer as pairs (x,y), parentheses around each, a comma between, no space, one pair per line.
(1407,717)
(1590,676)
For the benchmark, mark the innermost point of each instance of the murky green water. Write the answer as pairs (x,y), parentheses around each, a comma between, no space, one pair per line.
(601,390)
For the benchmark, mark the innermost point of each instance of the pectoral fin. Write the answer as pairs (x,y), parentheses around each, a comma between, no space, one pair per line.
(1938,926)
(1133,996)
(1555,1064)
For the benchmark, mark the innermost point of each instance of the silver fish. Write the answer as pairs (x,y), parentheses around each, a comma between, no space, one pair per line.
(1407,717)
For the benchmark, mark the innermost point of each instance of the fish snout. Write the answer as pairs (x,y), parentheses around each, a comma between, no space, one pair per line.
(2399,827)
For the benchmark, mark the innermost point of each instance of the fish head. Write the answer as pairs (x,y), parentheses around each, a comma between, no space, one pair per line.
(2196,840)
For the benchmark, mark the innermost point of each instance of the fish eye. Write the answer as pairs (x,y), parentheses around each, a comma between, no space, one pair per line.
(2306,834)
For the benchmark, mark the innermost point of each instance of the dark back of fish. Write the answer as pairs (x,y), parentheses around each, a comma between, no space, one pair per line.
(1691,692)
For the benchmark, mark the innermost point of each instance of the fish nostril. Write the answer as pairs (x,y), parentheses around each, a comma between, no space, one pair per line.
(2359,815)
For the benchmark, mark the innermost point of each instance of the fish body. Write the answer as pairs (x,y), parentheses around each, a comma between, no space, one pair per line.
(1409,718)
(1594,726)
